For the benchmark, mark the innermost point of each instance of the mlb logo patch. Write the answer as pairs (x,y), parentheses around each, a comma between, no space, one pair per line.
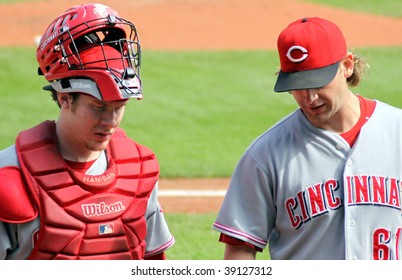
(106,229)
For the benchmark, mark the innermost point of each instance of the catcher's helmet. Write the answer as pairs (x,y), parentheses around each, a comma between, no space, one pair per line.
(90,49)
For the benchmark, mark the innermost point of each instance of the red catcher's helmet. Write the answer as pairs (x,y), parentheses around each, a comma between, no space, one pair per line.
(90,49)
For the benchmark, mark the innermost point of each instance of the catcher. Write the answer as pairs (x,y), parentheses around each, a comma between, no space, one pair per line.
(78,187)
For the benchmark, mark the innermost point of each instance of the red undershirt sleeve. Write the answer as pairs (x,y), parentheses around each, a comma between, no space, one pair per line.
(237,242)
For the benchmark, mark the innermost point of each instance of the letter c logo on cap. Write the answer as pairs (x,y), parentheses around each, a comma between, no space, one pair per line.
(300,49)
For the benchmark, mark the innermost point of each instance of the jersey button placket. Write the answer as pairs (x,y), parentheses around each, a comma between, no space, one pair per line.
(350,221)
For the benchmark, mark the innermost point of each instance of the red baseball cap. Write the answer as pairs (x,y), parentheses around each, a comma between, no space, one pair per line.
(310,50)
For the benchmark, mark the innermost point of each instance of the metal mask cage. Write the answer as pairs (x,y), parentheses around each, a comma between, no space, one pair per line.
(71,44)
(111,34)
(130,57)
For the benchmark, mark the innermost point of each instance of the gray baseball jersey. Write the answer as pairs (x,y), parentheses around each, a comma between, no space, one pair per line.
(305,193)
(16,239)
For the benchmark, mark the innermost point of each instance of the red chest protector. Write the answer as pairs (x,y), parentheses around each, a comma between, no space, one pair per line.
(82,216)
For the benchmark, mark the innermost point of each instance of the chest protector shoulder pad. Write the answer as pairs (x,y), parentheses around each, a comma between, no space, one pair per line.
(17,205)
(85,216)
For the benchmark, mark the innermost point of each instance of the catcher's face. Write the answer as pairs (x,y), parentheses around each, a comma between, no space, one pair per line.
(88,125)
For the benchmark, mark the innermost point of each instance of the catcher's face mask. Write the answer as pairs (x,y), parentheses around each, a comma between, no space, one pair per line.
(86,50)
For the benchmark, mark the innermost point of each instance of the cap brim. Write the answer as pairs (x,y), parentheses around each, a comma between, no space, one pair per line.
(306,79)
(47,87)
(130,89)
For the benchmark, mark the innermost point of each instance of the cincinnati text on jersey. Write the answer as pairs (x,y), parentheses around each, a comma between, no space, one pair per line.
(319,199)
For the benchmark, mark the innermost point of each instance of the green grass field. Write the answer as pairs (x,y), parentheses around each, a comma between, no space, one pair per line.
(380,7)
(200,111)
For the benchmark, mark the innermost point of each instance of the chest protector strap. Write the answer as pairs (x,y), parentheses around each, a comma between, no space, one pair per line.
(84,216)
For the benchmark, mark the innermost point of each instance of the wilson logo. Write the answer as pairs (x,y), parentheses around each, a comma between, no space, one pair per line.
(80,85)
(102,209)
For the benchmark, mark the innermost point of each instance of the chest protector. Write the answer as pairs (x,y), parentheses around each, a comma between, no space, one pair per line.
(85,216)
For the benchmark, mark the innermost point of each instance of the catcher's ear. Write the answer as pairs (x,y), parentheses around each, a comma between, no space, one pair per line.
(63,99)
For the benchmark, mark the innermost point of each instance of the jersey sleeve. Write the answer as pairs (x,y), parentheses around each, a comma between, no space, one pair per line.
(237,242)
(8,157)
(247,212)
(16,240)
(5,241)
(159,238)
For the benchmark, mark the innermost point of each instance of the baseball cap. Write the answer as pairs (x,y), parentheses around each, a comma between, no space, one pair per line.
(310,50)
(101,58)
